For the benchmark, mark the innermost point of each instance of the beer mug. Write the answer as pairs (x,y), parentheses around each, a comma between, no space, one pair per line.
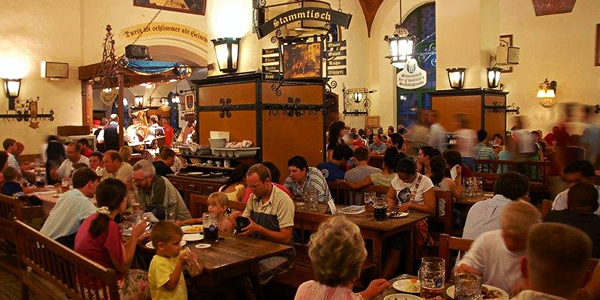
(211,227)
(380,208)
(432,276)
(468,287)
(193,267)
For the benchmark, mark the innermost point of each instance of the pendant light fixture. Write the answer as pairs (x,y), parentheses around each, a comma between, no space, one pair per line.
(400,44)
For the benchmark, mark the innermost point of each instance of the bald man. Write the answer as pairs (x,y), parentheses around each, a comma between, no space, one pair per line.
(556,261)
(495,254)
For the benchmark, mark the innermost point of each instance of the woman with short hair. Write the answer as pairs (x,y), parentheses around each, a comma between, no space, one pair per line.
(337,253)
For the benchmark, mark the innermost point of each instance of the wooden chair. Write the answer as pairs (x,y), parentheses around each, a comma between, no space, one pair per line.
(448,218)
(450,243)
(546,207)
(343,194)
(199,205)
(52,270)
(10,209)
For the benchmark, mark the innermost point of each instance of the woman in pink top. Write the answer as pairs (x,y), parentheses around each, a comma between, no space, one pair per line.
(337,252)
(99,239)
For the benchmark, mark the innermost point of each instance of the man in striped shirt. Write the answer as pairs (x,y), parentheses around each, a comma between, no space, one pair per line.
(482,151)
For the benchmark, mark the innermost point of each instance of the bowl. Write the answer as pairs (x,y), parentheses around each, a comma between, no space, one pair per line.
(217,143)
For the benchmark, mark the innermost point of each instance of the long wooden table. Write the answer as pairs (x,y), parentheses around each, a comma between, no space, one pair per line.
(231,257)
(376,231)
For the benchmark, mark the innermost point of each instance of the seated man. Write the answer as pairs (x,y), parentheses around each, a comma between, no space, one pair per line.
(72,208)
(303,178)
(583,202)
(556,261)
(481,151)
(377,147)
(336,168)
(158,190)
(271,214)
(84,145)
(362,169)
(166,159)
(574,172)
(116,168)
(485,215)
(496,254)
(97,164)
(73,156)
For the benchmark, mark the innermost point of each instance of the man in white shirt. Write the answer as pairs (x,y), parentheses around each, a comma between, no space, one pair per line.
(496,254)
(575,172)
(437,133)
(485,215)
(10,146)
(556,262)
(73,156)
(72,208)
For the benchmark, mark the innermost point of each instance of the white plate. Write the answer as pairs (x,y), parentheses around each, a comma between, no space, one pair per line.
(192,237)
(149,244)
(194,173)
(401,297)
(52,192)
(202,246)
(353,209)
(397,214)
(406,285)
(450,292)
(192,228)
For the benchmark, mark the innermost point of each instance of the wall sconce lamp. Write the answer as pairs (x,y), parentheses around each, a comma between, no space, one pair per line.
(12,87)
(227,51)
(547,93)
(456,76)
(493,75)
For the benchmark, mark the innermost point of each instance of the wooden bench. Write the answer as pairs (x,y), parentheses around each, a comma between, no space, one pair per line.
(199,205)
(43,260)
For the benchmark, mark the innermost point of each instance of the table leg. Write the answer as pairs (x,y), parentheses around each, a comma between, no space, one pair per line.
(256,287)
(410,252)
(377,255)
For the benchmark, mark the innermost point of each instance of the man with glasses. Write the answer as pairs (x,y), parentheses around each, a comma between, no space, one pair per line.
(575,172)
(155,190)
(271,214)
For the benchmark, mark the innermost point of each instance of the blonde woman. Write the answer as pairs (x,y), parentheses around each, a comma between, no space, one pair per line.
(337,252)
(126,153)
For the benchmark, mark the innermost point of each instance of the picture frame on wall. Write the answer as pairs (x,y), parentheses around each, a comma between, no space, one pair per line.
(189,103)
(597,44)
(197,7)
(506,41)
(302,61)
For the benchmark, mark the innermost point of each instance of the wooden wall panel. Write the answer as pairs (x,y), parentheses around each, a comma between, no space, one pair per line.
(495,122)
(308,94)
(289,136)
(241,125)
(448,106)
(240,93)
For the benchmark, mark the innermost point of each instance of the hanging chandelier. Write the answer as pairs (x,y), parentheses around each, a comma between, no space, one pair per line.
(400,44)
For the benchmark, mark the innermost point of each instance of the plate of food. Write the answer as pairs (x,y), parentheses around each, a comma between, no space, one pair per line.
(408,285)
(192,228)
(194,173)
(353,209)
(401,297)
(149,244)
(193,237)
(397,214)
(489,292)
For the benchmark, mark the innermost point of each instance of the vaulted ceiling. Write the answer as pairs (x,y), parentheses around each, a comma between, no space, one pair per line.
(369,8)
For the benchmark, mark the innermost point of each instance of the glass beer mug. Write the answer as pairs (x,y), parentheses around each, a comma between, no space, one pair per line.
(211,227)
(432,277)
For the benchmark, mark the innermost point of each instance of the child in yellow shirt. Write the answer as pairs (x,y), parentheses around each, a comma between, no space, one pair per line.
(166,269)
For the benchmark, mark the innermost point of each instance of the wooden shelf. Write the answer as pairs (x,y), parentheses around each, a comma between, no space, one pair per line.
(208,156)
(210,167)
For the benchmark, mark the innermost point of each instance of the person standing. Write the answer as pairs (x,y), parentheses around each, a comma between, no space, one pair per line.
(437,133)
(111,134)
(169,132)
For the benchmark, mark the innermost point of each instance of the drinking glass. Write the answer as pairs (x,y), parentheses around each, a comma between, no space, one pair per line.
(211,227)
(468,287)
(432,276)
(193,267)
(380,208)
(64,185)
(369,202)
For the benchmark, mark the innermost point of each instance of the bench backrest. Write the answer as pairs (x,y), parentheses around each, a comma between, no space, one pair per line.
(199,204)
(40,256)
(450,243)
(10,208)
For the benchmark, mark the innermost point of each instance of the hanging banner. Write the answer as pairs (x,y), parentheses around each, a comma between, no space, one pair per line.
(411,77)
(304,14)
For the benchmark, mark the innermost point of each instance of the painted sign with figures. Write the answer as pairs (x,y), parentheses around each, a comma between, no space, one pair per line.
(411,77)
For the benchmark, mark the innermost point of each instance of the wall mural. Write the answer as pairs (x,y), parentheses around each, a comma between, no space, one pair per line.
(197,7)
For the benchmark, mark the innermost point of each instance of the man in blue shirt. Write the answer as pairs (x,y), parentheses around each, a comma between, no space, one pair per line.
(335,169)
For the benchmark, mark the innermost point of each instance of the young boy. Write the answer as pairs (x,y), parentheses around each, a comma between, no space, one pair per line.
(166,269)
(11,186)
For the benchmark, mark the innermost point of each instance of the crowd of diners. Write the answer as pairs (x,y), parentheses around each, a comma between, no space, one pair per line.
(512,249)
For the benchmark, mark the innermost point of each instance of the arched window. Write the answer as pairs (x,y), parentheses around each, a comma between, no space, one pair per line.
(420,23)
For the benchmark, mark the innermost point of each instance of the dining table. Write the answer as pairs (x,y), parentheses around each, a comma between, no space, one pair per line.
(229,258)
(378,232)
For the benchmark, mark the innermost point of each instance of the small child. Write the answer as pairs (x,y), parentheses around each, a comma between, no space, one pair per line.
(166,269)
(217,204)
(11,186)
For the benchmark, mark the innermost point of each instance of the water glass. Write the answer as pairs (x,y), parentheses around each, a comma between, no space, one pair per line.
(369,202)
(468,287)
(193,267)
(432,277)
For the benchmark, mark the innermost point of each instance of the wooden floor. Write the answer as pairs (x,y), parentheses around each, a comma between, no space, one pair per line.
(10,285)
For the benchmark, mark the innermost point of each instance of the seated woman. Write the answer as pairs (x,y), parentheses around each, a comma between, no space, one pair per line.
(337,252)
(409,191)
(455,169)
(99,239)
(440,181)
(390,159)
(424,159)
(235,187)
